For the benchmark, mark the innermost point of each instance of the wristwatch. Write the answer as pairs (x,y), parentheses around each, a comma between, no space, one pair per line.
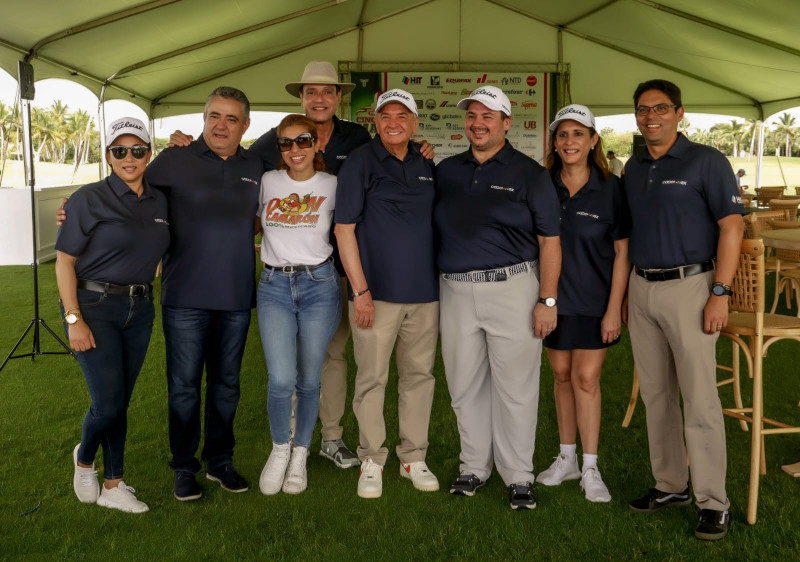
(549,302)
(720,289)
(72,316)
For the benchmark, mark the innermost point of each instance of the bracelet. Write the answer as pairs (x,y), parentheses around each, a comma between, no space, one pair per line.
(359,293)
(71,310)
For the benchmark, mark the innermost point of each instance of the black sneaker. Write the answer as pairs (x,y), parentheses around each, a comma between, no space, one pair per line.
(466,485)
(655,500)
(227,477)
(186,488)
(713,525)
(521,495)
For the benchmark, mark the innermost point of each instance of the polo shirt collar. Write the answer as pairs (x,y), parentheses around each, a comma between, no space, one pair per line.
(595,183)
(382,153)
(503,156)
(337,126)
(677,150)
(120,188)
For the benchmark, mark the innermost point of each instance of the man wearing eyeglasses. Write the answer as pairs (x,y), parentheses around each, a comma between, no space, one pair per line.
(685,243)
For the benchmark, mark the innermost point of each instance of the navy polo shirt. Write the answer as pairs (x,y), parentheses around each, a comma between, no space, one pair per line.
(488,215)
(675,204)
(345,137)
(116,236)
(591,221)
(391,203)
(212,207)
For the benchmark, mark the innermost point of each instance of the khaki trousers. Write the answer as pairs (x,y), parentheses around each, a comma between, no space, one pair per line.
(675,358)
(492,361)
(410,330)
(333,385)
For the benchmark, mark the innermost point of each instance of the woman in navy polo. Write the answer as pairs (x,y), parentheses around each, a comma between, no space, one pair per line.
(106,258)
(594,272)
(299,301)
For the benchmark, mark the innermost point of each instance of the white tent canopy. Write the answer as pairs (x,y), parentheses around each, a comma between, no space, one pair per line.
(736,57)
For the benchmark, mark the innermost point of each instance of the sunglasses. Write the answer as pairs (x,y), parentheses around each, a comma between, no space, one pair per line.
(139,151)
(302,141)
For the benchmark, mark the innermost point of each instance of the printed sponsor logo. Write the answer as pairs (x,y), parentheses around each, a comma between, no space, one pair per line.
(341,156)
(456,137)
(505,81)
(736,199)
(126,124)
(447,104)
(435,117)
(250,180)
(454,126)
(419,104)
(531,81)
(530,104)
(529,135)
(430,103)
(513,103)
(465,92)
(484,80)
(162,221)
(435,81)
(570,111)
(530,92)
(458,80)
(503,188)
(585,214)
(529,124)
(449,93)
(293,210)
(424,178)
(393,94)
(514,92)
(412,80)
(485,92)
(673,182)
(459,116)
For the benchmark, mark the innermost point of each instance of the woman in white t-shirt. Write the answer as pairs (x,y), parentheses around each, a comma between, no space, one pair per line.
(299,304)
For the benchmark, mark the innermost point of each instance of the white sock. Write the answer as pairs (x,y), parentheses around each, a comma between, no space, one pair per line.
(589,461)
(569,451)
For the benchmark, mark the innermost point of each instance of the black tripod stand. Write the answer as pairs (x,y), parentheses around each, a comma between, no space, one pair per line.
(36,322)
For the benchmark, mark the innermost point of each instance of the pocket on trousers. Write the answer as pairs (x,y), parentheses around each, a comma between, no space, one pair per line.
(324,274)
(88,298)
(266,276)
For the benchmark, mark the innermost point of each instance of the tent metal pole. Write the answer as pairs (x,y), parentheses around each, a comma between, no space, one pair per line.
(760,160)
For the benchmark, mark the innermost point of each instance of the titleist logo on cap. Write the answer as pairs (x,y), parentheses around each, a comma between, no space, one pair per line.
(122,124)
(485,92)
(568,110)
(393,94)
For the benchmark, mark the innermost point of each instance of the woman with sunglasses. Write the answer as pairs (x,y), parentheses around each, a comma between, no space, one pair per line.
(106,258)
(299,304)
(594,273)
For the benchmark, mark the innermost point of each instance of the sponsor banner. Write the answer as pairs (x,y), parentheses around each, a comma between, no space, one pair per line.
(442,123)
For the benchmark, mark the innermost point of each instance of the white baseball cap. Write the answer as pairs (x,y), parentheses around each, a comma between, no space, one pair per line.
(399,96)
(126,126)
(574,112)
(491,96)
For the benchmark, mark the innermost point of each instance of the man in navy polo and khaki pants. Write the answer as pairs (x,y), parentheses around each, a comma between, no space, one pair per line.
(497,217)
(686,211)
(384,204)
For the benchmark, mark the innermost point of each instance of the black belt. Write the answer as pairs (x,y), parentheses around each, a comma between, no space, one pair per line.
(111,289)
(675,272)
(296,268)
(488,275)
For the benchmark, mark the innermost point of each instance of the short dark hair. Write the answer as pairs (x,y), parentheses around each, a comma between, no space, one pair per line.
(230,93)
(673,92)
(610,153)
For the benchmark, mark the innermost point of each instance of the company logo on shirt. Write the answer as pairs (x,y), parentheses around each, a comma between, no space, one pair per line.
(503,188)
(585,214)
(251,180)
(424,178)
(293,210)
(341,156)
(736,199)
(162,221)
(673,182)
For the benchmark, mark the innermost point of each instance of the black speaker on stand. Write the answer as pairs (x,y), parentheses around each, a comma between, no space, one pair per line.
(26,94)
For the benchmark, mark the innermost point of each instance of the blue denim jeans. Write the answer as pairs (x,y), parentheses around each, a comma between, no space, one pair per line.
(121,326)
(194,339)
(297,316)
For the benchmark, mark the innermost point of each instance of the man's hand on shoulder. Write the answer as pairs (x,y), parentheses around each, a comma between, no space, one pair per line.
(426,149)
(61,214)
(180,139)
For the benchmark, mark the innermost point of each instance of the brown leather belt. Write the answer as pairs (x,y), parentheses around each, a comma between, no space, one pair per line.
(676,272)
(111,289)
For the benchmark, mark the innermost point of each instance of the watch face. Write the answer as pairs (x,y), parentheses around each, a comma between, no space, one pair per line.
(718,290)
(549,302)
(71,318)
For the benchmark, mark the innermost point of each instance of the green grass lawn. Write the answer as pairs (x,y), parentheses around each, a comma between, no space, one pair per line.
(42,404)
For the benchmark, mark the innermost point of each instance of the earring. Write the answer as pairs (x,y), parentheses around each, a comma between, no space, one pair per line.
(592,147)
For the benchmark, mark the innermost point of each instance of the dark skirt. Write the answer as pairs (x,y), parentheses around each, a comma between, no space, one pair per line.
(577,332)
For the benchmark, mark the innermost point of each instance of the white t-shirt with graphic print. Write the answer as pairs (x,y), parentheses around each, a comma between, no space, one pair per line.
(296,217)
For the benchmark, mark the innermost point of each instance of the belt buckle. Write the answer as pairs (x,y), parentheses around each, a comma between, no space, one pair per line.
(287,269)
(137,291)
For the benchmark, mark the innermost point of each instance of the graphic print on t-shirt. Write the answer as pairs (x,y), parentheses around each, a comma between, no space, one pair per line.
(294,211)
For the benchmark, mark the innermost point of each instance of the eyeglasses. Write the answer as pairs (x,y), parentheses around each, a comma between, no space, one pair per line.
(139,151)
(302,141)
(660,109)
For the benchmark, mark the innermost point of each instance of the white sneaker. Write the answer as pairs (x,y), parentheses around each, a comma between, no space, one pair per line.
(370,482)
(121,497)
(84,480)
(420,475)
(275,470)
(296,480)
(592,484)
(561,470)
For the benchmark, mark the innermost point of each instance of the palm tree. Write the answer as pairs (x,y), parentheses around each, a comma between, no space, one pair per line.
(786,131)
(80,127)
(60,115)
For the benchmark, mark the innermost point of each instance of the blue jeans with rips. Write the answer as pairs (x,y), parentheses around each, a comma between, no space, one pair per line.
(197,338)
(121,326)
(298,313)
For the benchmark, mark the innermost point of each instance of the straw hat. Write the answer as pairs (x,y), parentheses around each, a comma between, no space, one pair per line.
(319,73)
